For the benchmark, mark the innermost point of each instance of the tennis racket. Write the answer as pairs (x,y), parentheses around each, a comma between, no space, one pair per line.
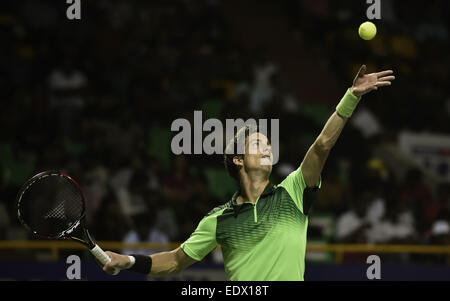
(52,205)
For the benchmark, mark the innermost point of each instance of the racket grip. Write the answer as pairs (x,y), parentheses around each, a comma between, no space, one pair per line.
(102,257)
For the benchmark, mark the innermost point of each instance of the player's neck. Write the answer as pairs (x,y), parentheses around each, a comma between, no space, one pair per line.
(251,189)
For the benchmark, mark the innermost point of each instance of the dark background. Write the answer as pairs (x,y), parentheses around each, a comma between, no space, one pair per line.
(96,97)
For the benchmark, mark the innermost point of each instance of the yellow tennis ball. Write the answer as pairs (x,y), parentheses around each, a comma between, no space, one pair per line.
(367,30)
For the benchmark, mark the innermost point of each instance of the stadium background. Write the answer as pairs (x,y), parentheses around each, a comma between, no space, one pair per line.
(96,97)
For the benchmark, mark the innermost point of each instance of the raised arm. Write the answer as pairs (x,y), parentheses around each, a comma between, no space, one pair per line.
(317,154)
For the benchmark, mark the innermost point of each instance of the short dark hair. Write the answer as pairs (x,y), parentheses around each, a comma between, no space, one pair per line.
(232,147)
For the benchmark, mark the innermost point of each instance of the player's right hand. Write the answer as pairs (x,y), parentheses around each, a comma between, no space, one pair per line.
(118,261)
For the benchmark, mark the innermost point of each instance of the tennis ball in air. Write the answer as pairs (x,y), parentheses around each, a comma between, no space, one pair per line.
(367,30)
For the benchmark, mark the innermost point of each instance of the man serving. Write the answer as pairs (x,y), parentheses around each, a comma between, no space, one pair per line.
(262,229)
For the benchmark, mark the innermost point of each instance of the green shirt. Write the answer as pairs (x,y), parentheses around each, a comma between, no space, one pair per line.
(262,241)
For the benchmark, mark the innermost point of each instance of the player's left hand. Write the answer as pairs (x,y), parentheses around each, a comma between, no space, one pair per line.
(364,83)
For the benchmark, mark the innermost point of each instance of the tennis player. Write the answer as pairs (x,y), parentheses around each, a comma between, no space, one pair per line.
(262,229)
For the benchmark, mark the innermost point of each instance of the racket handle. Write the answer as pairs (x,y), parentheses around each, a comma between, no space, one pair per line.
(102,257)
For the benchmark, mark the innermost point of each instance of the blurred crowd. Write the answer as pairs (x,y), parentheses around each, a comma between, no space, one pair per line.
(96,98)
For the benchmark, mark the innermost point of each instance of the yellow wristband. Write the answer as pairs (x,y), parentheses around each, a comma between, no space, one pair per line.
(347,104)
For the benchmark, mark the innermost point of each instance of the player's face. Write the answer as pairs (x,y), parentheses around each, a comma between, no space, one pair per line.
(258,154)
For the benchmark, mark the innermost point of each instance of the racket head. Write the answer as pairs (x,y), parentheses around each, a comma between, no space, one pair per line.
(52,205)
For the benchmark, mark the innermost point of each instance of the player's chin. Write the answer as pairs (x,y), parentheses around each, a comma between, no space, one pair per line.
(266,167)
(265,162)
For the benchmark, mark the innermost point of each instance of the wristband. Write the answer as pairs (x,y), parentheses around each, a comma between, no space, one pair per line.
(347,104)
(142,264)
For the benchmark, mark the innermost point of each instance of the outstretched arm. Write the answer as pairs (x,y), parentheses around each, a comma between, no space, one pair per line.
(163,264)
(317,154)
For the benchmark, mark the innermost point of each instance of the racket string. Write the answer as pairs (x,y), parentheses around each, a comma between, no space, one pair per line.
(51,205)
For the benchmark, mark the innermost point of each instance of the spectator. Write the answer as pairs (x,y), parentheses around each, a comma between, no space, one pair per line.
(4,220)
(416,194)
(178,187)
(110,223)
(143,230)
(351,225)
(398,226)
(437,208)
(440,235)
(67,85)
(263,88)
